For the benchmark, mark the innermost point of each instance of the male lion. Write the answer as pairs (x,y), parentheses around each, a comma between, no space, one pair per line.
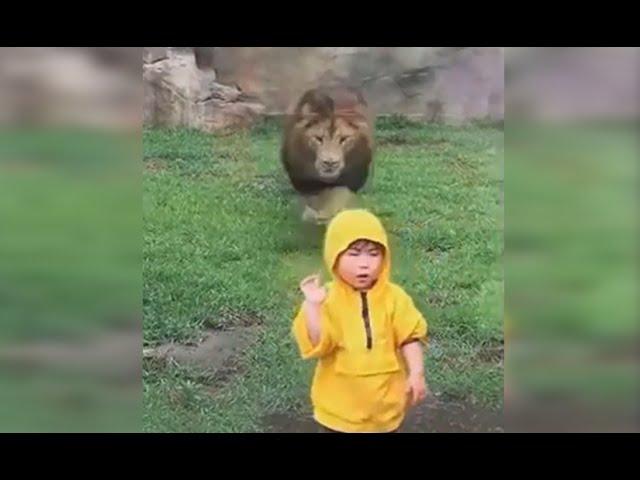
(327,149)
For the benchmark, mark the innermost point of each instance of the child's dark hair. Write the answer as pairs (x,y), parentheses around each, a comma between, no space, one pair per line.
(364,242)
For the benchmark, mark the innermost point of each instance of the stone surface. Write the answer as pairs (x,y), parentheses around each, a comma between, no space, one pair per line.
(449,84)
(221,87)
(179,93)
(154,54)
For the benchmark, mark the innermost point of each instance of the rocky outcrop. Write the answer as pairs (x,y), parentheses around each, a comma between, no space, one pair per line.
(180,92)
(219,87)
(442,84)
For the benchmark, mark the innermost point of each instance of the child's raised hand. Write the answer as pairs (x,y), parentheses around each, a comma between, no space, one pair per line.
(313,291)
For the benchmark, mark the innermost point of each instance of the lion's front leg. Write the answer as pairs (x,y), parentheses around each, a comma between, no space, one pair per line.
(321,208)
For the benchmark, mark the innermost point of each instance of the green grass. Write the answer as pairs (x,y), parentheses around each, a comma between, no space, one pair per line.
(70,235)
(70,258)
(572,263)
(222,235)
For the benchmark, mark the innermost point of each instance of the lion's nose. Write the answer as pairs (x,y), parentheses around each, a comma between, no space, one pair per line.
(330,164)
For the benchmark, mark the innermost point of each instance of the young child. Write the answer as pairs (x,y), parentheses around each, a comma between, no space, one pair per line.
(364,331)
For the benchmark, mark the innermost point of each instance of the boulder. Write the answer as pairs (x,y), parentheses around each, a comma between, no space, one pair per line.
(177,92)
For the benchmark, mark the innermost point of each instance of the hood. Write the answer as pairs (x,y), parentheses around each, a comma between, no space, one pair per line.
(347,227)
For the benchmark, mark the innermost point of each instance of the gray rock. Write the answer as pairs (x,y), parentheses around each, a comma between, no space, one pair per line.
(444,83)
(154,54)
(179,93)
(214,86)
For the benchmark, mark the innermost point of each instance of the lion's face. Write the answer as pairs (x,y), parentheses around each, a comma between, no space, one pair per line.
(328,132)
(330,139)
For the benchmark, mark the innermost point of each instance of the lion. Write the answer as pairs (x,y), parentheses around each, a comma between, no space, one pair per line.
(327,149)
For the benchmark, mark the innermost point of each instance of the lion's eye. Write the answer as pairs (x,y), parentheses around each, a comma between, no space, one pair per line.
(318,139)
(343,139)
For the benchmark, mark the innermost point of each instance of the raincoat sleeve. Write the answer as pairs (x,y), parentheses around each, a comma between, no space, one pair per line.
(409,324)
(301,335)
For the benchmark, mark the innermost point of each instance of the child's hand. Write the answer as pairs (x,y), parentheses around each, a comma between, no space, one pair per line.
(312,290)
(416,388)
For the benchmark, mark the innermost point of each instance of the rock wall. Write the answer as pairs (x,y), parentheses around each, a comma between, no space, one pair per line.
(179,91)
(447,84)
(218,87)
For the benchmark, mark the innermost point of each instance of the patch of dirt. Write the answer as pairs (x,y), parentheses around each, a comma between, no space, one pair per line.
(452,417)
(285,423)
(433,416)
(112,355)
(211,355)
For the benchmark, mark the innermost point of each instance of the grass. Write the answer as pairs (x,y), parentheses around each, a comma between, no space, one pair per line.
(223,239)
(70,249)
(572,265)
(70,272)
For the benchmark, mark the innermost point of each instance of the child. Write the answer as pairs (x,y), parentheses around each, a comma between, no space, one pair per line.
(364,331)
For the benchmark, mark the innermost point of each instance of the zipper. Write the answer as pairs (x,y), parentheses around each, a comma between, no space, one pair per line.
(365,317)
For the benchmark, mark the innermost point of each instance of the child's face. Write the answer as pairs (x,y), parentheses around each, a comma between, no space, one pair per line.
(360,264)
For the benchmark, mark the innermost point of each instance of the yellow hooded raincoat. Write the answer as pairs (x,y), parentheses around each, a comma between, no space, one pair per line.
(360,378)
